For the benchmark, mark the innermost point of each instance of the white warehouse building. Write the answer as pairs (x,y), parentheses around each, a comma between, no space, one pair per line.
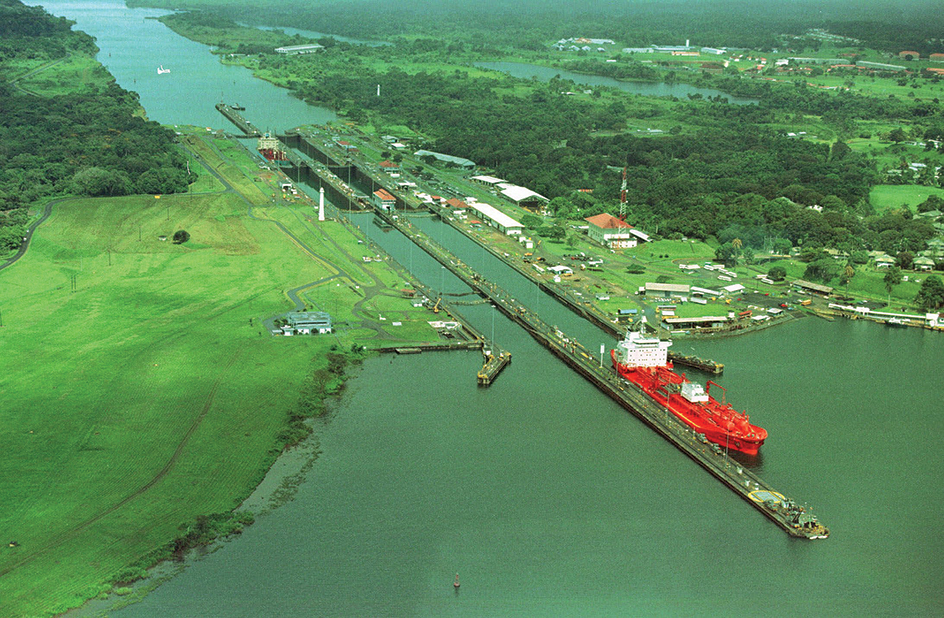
(497,219)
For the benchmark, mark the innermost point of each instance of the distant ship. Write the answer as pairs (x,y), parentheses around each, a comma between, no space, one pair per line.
(161,70)
(644,361)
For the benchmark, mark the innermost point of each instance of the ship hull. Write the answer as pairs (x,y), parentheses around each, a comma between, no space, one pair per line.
(718,422)
(272,154)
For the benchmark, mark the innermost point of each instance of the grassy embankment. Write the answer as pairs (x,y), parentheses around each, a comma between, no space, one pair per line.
(144,398)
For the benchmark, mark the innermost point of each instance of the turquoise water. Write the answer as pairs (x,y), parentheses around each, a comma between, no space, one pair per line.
(546,497)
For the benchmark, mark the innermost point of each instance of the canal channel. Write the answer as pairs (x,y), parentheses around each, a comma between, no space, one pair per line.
(550,499)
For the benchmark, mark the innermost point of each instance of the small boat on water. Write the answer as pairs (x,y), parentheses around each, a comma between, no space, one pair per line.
(161,70)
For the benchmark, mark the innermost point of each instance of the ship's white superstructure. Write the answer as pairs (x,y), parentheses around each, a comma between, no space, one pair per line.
(637,350)
(694,392)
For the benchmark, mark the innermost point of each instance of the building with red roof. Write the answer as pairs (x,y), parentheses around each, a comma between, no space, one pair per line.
(384,200)
(613,232)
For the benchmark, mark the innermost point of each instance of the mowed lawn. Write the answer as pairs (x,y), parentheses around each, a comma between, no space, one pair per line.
(144,397)
(884,197)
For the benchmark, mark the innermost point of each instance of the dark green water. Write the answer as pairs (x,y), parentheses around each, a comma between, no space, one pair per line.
(653,89)
(549,500)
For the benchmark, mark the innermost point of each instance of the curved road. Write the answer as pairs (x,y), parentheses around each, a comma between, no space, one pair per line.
(29,232)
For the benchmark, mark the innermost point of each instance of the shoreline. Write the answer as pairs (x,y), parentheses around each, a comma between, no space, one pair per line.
(278,487)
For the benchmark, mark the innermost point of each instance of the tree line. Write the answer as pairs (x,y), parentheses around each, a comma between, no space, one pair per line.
(92,144)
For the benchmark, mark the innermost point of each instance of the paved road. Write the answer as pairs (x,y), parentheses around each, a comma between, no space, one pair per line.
(29,232)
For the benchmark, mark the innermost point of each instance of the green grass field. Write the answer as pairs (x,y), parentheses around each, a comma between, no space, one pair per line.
(72,74)
(137,394)
(884,197)
(142,399)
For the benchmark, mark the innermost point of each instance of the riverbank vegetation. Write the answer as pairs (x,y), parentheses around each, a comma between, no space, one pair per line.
(164,408)
(66,127)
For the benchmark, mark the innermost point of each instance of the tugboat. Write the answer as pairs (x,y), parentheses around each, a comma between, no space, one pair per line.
(644,361)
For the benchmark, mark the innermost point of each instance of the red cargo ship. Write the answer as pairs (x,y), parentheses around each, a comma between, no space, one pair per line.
(644,361)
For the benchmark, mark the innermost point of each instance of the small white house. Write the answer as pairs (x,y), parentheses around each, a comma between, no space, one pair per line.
(564,271)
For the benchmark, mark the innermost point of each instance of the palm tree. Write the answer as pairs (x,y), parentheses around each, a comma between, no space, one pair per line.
(737,244)
(847,276)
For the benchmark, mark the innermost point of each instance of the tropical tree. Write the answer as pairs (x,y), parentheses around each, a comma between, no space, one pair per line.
(737,244)
(931,294)
(847,274)
(905,260)
(823,270)
(777,273)
(892,278)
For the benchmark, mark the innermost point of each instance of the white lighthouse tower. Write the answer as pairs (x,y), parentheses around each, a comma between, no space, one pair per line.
(321,204)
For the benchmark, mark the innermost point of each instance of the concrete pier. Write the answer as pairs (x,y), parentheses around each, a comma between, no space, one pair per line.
(237,119)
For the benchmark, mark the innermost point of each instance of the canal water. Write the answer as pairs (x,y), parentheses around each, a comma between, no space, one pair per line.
(549,499)
(134,44)
(653,89)
(313,34)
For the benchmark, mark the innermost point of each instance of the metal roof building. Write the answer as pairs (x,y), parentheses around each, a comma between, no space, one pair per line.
(497,218)
(663,290)
(706,321)
(522,195)
(308,322)
(299,49)
(444,158)
(825,290)
(488,180)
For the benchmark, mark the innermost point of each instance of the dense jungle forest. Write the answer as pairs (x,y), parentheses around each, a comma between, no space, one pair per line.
(95,143)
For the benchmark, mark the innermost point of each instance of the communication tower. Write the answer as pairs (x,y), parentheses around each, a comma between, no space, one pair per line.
(622,214)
